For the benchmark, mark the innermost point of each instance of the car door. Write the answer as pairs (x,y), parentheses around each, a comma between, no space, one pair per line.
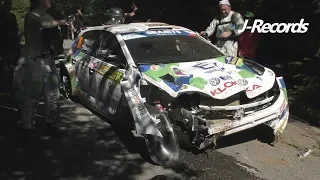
(82,58)
(105,82)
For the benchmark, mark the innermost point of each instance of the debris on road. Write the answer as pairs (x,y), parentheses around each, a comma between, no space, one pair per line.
(305,154)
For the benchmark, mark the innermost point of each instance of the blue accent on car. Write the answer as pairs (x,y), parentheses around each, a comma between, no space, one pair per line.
(284,112)
(174,87)
(283,85)
(184,79)
(144,68)
(161,33)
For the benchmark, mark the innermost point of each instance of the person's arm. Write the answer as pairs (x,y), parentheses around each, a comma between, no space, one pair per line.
(133,13)
(212,27)
(45,21)
(239,23)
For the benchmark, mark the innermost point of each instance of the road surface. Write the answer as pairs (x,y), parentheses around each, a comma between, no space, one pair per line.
(90,148)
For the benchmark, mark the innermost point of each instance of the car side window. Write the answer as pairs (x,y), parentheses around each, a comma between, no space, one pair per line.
(109,44)
(88,39)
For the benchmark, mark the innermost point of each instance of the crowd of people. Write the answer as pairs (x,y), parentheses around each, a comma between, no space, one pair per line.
(36,76)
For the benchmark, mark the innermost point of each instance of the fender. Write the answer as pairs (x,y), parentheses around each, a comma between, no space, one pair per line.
(144,122)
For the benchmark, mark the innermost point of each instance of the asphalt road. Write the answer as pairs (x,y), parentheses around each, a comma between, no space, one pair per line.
(90,148)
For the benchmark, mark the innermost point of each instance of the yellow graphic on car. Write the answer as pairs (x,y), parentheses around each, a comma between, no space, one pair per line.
(115,76)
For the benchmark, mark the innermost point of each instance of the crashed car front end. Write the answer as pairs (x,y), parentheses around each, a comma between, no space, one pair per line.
(203,112)
(212,121)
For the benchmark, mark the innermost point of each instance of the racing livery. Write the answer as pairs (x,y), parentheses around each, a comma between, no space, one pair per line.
(174,84)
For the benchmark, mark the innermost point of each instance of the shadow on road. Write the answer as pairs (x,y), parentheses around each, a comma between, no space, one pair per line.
(262,133)
(89,149)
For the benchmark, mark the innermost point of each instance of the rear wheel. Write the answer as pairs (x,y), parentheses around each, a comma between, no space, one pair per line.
(163,151)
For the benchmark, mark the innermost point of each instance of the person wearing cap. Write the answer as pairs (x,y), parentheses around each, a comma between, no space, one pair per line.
(226,26)
(248,42)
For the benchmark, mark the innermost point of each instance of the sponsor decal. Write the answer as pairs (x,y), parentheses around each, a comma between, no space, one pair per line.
(95,65)
(261,27)
(116,76)
(214,81)
(242,82)
(226,86)
(213,70)
(253,87)
(284,104)
(137,102)
(226,78)
(206,66)
(178,72)
(165,32)
(284,112)
(228,59)
(155,67)
(184,87)
(234,61)
(258,77)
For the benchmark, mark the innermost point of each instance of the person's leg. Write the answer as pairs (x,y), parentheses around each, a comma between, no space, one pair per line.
(32,90)
(51,95)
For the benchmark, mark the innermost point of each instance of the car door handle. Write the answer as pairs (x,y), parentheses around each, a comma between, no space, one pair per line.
(91,71)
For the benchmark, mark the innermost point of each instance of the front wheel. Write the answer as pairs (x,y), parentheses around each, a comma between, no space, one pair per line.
(163,151)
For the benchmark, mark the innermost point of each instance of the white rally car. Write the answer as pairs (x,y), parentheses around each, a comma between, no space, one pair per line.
(169,83)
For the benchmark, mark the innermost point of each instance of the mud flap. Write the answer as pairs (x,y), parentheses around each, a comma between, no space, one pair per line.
(144,122)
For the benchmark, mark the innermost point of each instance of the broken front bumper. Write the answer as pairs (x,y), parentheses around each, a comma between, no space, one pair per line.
(275,115)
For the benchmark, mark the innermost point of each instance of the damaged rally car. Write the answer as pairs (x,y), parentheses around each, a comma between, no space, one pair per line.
(170,84)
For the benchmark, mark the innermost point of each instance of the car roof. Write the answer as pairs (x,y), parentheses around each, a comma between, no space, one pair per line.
(143,26)
(136,27)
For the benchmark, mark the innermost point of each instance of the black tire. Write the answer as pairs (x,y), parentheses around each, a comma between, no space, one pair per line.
(163,151)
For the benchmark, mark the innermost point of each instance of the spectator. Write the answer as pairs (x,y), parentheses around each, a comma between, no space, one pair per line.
(248,42)
(226,26)
(135,15)
(36,74)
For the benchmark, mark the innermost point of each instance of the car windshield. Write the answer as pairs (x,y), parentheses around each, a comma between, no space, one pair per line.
(170,49)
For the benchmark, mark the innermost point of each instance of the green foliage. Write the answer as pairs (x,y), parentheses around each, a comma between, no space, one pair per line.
(19,8)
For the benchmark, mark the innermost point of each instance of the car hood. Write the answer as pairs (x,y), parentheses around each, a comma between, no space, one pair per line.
(219,78)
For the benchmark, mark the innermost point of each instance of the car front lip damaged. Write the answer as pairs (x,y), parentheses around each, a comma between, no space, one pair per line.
(226,127)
